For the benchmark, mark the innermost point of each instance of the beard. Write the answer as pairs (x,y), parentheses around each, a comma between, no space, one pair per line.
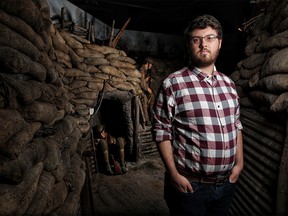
(204,60)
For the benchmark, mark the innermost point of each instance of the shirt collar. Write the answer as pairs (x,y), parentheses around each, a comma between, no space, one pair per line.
(199,74)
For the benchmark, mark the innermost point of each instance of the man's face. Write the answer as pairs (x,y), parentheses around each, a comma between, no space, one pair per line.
(149,65)
(103,134)
(204,47)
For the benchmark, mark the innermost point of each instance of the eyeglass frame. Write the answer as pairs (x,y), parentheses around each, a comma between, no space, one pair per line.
(204,37)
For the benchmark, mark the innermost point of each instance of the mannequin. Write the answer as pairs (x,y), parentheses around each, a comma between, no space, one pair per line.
(111,148)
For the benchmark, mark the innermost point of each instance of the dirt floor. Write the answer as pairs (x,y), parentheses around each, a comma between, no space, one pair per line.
(137,192)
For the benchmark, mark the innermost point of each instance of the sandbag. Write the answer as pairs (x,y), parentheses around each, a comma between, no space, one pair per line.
(26,10)
(16,62)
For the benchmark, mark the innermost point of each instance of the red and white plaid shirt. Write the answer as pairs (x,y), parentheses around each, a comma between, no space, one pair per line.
(201,119)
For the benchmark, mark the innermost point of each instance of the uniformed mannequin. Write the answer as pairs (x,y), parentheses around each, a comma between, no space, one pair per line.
(110,145)
(147,95)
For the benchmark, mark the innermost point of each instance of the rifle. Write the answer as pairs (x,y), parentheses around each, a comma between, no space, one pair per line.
(98,105)
(119,34)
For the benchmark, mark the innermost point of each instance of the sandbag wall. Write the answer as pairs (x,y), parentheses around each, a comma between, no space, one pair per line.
(49,84)
(262,83)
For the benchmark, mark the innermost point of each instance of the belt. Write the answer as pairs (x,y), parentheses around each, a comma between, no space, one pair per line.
(213,180)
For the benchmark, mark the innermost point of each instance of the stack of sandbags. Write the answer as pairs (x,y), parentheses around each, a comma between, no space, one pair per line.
(41,146)
(86,69)
(262,77)
(49,83)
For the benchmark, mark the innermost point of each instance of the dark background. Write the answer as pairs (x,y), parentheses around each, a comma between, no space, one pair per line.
(168,17)
(171,17)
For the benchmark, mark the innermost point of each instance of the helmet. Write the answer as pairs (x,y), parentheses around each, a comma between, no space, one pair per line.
(149,60)
(99,128)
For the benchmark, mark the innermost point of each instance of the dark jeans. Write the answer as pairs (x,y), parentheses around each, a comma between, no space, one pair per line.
(206,199)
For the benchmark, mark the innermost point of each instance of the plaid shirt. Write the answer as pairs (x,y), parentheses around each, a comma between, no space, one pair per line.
(200,118)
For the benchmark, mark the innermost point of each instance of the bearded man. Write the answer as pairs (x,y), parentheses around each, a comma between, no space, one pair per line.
(197,128)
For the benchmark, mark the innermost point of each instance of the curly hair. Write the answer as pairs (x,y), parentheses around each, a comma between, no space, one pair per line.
(201,22)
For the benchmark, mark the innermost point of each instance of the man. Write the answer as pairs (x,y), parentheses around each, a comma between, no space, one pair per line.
(197,128)
(112,149)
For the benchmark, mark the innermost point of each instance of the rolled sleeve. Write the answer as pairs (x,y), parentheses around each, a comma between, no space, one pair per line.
(162,116)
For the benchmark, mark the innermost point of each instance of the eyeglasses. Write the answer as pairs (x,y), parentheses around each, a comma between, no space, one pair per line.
(208,38)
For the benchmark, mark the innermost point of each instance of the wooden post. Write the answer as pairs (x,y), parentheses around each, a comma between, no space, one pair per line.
(111,34)
(92,33)
(282,188)
(63,14)
(136,128)
(89,31)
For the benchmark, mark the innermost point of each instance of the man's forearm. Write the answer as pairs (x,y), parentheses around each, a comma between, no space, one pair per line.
(166,152)
(239,151)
